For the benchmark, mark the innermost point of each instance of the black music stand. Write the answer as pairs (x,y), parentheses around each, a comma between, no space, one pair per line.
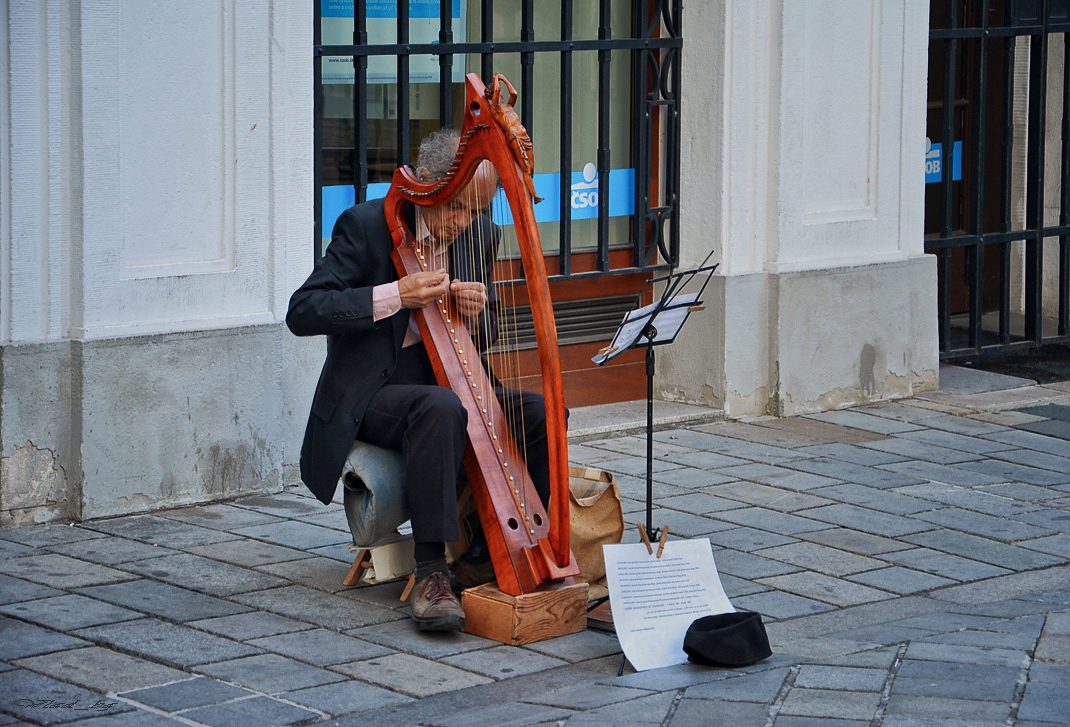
(653,325)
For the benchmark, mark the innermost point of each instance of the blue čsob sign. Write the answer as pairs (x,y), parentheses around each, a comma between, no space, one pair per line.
(934,162)
(385,8)
(583,197)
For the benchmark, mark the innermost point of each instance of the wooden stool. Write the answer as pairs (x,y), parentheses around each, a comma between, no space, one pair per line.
(391,560)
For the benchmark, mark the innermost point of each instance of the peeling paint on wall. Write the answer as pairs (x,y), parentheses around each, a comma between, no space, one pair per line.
(33,487)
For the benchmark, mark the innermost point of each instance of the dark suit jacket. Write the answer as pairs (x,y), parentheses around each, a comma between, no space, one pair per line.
(362,354)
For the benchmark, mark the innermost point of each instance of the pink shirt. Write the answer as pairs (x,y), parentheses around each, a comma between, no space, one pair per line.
(386,298)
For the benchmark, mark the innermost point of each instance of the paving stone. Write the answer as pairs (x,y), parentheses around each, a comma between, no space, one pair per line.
(1047,673)
(156,530)
(204,575)
(986,639)
(773,498)
(294,534)
(255,711)
(904,411)
(1030,440)
(574,648)
(10,549)
(269,673)
(285,504)
(322,609)
(636,466)
(167,643)
(344,697)
(821,559)
(111,550)
(948,474)
(68,612)
(977,523)
(1032,458)
(14,590)
(974,425)
(102,670)
(759,434)
(702,460)
(697,713)
(820,430)
(690,477)
(136,718)
(339,552)
(19,640)
(854,541)
(60,571)
(857,473)
(734,587)
(1054,643)
(1050,428)
(982,549)
(922,450)
(1045,702)
(780,605)
(402,636)
(585,696)
(830,704)
(747,539)
(1048,518)
(320,647)
(1009,471)
(875,499)
(749,565)
(44,536)
(221,516)
(956,681)
(412,675)
(974,655)
(250,625)
(323,574)
(855,454)
(188,694)
(686,525)
(42,700)
(699,503)
(248,553)
(635,488)
(503,662)
(867,520)
(900,580)
(953,441)
(649,711)
(825,588)
(942,708)
(859,420)
(513,714)
(779,522)
(943,564)
(727,446)
(792,721)
(882,658)
(760,687)
(669,678)
(754,471)
(162,599)
(885,634)
(966,498)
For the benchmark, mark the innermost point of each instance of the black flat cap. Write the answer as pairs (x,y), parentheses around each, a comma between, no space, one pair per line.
(727,639)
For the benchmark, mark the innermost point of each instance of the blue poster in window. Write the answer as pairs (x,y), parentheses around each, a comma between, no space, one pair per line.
(583,198)
(934,162)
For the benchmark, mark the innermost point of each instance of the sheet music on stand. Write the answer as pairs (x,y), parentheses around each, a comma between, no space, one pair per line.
(663,319)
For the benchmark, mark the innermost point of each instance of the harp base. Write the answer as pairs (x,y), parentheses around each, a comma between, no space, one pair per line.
(555,611)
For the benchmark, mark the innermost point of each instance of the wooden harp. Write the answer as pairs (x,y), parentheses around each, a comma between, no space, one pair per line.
(528,545)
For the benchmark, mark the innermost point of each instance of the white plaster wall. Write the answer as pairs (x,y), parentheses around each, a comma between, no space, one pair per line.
(155,214)
(802,166)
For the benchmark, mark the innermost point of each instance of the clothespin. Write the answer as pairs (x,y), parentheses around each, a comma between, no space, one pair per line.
(646,540)
(661,542)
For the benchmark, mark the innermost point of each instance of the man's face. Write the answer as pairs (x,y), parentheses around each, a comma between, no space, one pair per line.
(449,220)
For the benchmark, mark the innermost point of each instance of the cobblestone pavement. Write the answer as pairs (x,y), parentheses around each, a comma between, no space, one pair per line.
(911,560)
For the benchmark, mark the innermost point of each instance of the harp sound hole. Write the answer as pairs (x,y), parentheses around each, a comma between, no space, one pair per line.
(537,518)
(513,524)
(476,111)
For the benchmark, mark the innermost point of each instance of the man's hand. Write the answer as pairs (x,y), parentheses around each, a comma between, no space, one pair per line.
(470,298)
(420,289)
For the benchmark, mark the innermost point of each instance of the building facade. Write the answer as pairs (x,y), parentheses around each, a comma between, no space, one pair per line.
(160,198)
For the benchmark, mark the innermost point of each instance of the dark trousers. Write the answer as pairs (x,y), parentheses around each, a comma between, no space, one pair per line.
(427,423)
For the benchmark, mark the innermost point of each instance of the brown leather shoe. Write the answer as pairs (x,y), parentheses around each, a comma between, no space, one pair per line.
(468,575)
(434,607)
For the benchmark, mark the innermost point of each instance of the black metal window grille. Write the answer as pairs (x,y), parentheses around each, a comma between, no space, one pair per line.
(651,45)
(990,212)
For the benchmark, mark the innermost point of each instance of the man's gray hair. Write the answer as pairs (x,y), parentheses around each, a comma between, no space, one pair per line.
(437,152)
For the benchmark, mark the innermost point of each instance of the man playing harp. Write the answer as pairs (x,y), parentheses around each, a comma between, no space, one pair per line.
(377,384)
